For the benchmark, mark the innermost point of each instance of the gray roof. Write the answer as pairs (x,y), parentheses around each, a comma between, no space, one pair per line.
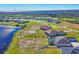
(58,38)
(66,50)
(75,51)
(70,50)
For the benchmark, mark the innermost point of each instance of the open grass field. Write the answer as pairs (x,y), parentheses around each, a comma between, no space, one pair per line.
(70,25)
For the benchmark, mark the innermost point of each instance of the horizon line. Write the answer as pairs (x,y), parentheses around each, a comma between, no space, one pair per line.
(34,10)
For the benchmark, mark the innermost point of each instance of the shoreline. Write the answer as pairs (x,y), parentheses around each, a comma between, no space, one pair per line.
(9,37)
(12,43)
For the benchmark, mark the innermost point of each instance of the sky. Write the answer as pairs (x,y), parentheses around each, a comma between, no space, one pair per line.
(29,7)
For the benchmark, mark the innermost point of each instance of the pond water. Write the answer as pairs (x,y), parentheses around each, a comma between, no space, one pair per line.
(6,35)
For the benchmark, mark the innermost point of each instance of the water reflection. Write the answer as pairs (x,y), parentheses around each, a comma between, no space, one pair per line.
(6,35)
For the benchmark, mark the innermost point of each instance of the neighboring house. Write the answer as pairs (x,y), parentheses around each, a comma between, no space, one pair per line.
(55,21)
(45,27)
(72,39)
(53,33)
(59,41)
(62,41)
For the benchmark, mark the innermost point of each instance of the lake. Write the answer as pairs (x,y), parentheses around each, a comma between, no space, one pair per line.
(6,35)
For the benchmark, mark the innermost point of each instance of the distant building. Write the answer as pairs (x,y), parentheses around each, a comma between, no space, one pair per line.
(45,27)
(5,20)
(55,21)
(41,18)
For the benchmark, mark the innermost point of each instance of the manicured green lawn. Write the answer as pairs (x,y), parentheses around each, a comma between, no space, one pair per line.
(9,23)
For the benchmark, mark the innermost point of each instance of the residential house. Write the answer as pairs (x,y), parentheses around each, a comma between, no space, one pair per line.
(59,41)
(62,41)
(55,21)
(72,39)
(53,33)
(45,27)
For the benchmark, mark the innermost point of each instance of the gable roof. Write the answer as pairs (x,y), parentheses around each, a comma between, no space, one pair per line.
(55,33)
(45,27)
(55,21)
(75,51)
(61,39)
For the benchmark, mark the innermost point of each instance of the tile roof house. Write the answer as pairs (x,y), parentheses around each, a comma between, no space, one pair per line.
(53,33)
(45,27)
(55,21)
(62,41)
(59,41)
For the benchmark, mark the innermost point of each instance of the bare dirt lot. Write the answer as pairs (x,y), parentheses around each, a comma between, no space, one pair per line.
(70,25)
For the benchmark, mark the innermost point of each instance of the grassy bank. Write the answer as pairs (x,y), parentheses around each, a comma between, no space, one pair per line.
(12,48)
